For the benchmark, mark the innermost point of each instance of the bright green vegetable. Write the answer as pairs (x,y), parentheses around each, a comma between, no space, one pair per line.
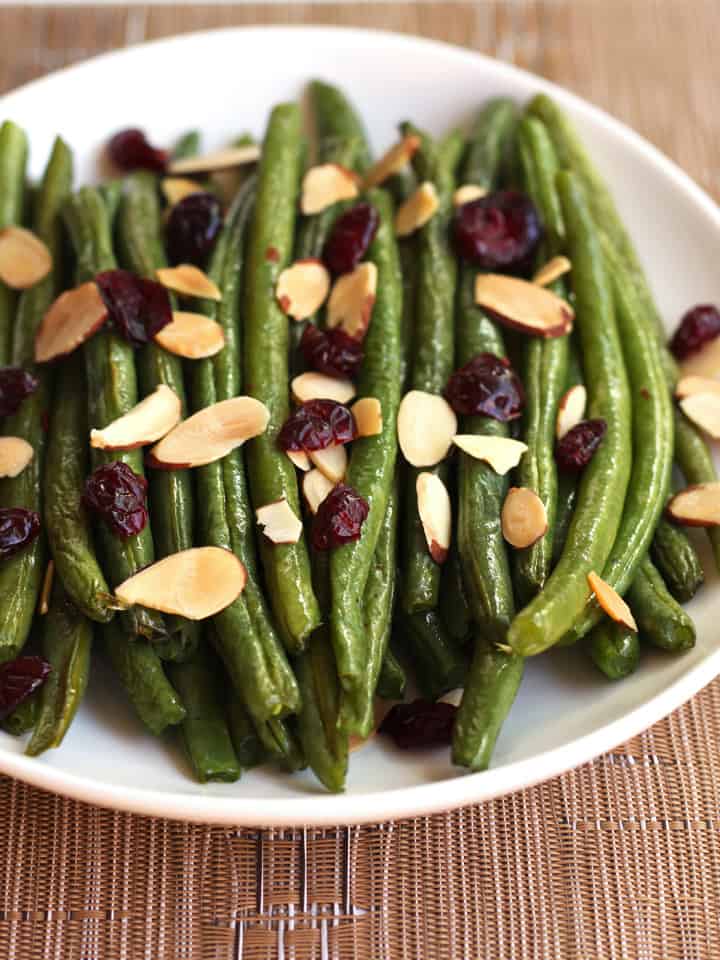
(336,116)
(13,160)
(281,745)
(454,608)
(324,744)
(23,718)
(439,665)
(615,649)
(660,619)
(188,145)
(677,561)
(392,680)
(248,748)
(695,460)
(567,482)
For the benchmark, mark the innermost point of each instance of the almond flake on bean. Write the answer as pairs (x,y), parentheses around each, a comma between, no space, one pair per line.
(501,453)
(611,602)
(435,511)
(523,517)
(188,280)
(524,306)
(417,210)
(176,189)
(571,410)
(279,522)
(467,193)
(148,421)
(216,160)
(704,363)
(552,271)
(331,461)
(15,455)
(703,409)
(426,425)
(688,386)
(393,161)
(315,487)
(24,258)
(368,416)
(300,459)
(302,288)
(320,386)
(352,300)
(696,506)
(191,335)
(70,320)
(325,185)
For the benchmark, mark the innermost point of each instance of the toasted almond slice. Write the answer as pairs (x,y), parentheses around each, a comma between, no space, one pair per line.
(571,410)
(177,188)
(188,280)
(704,411)
(704,363)
(44,602)
(15,455)
(611,602)
(195,583)
(453,697)
(368,416)
(393,161)
(24,258)
(687,386)
(352,300)
(71,320)
(300,459)
(316,487)
(148,421)
(319,386)
(552,270)
(523,517)
(501,453)
(467,193)
(302,288)
(426,425)
(279,523)
(696,506)
(524,306)
(325,185)
(191,335)
(217,160)
(332,461)
(435,512)
(419,207)
(210,434)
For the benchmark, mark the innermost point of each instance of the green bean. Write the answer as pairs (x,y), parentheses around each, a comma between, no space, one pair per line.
(23,718)
(281,745)
(111,192)
(248,748)
(336,116)
(13,160)
(454,608)
(567,482)
(660,619)
(677,561)
(614,649)
(324,744)
(187,145)
(438,664)
(696,463)
(392,680)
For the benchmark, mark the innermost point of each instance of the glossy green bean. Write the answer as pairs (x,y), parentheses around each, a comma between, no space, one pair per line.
(438,663)
(248,748)
(13,160)
(676,560)
(392,680)
(614,649)
(661,620)
(336,116)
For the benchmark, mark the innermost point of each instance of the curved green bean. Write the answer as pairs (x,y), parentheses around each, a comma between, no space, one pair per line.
(13,160)
(336,116)
(614,649)
(660,619)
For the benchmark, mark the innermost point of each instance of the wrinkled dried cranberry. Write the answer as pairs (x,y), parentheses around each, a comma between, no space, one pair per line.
(333,352)
(500,231)
(15,385)
(18,679)
(339,518)
(421,723)
(577,448)
(130,150)
(350,237)
(487,385)
(697,327)
(138,308)
(317,424)
(193,228)
(18,528)
(118,495)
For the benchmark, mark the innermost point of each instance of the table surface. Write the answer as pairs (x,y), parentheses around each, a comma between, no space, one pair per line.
(619,859)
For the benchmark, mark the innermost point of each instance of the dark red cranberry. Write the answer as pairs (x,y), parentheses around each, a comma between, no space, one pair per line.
(317,424)
(350,237)
(18,679)
(339,518)
(18,528)
(118,495)
(421,723)
(500,231)
(486,385)
(697,327)
(193,228)
(15,385)
(333,352)
(577,448)
(138,308)
(130,150)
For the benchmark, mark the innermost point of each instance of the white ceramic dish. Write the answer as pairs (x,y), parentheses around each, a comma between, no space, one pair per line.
(225,82)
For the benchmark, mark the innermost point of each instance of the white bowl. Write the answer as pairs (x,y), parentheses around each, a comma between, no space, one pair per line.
(225,82)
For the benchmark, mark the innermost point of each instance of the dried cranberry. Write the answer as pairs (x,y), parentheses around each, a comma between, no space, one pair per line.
(350,238)
(500,231)
(18,679)
(421,723)
(15,385)
(192,229)
(138,308)
(317,424)
(118,495)
(577,448)
(333,352)
(487,385)
(339,518)
(696,328)
(18,528)
(130,150)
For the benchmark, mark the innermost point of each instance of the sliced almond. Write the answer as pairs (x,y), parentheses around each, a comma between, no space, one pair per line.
(15,455)
(325,185)
(419,207)
(188,280)
(368,416)
(332,462)
(552,270)
(176,189)
(24,258)
(435,512)
(501,453)
(704,411)
(611,602)
(687,386)
(315,487)
(71,320)
(453,697)
(217,160)
(210,434)
(426,425)
(467,193)
(393,161)
(44,602)
(524,306)
(191,335)
(195,583)
(279,523)
(696,506)
(352,300)
(302,288)
(300,459)
(704,363)
(523,517)
(571,410)
(319,386)
(148,421)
